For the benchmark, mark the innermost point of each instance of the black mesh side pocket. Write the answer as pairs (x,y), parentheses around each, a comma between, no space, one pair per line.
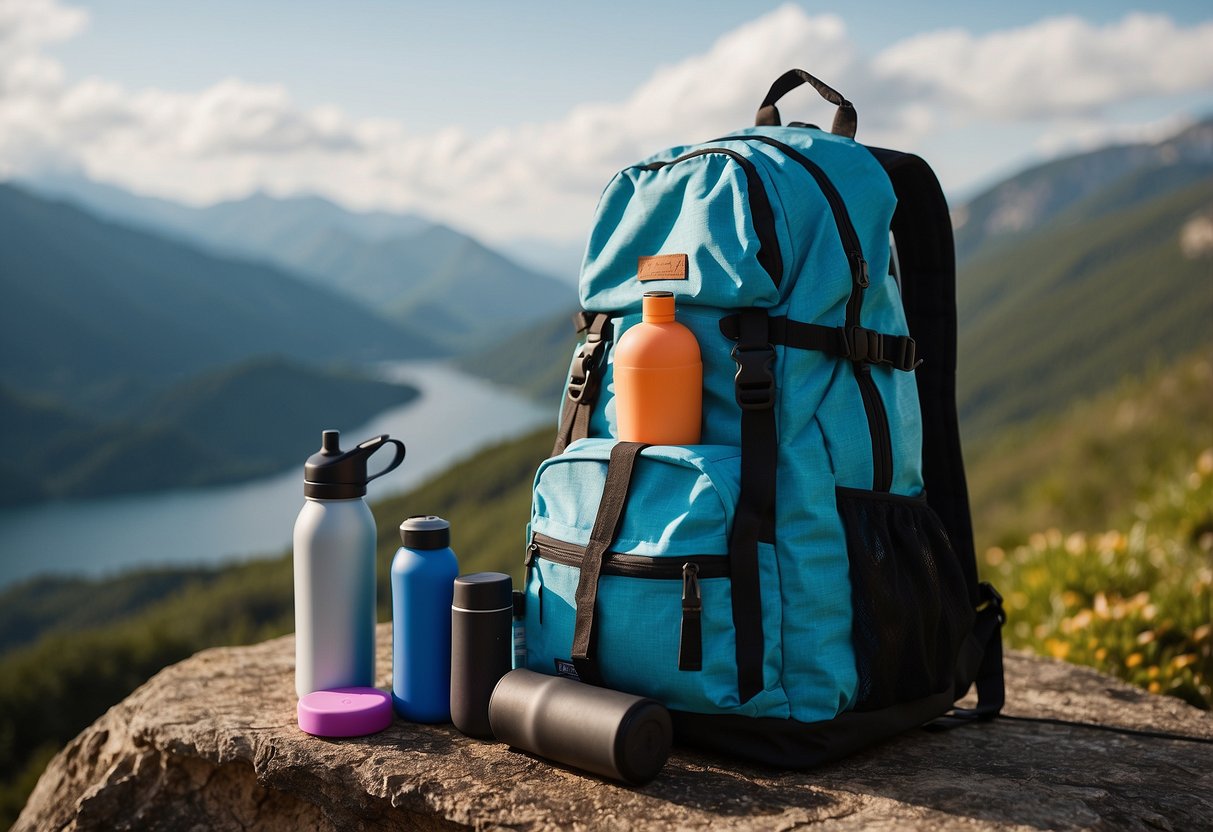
(911,605)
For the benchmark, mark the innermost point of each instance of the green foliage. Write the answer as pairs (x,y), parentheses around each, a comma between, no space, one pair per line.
(1070,311)
(31,608)
(1089,466)
(1097,527)
(535,361)
(1135,603)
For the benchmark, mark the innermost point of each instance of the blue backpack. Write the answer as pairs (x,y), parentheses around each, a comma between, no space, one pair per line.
(802,583)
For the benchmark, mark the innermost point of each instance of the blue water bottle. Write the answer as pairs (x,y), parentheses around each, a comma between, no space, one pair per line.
(423,580)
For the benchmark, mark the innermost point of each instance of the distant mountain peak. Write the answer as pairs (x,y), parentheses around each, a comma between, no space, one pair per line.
(1053,191)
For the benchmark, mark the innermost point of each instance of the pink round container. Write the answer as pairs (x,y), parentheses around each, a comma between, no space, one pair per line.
(345,712)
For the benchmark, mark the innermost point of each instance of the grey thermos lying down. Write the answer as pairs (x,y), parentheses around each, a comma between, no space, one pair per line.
(602,731)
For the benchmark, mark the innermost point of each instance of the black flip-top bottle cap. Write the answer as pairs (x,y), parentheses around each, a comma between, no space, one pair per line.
(483,592)
(334,474)
(425,531)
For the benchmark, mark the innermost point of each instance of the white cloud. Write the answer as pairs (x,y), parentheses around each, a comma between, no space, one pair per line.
(1078,135)
(543,179)
(1059,67)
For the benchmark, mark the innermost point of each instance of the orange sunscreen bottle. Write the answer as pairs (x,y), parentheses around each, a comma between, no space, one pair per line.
(658,378)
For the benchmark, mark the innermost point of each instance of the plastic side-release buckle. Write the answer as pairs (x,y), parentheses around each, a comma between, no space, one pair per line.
(897,351)
(583,380)
(864,345)
(754,383)
(859,270)
(990,597)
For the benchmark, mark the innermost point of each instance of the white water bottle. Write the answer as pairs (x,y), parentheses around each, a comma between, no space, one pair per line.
(334,554)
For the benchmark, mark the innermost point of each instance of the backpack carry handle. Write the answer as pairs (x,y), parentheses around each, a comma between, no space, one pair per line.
(845,120)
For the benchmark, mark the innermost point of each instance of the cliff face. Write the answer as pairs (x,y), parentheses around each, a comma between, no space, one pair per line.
(211,743)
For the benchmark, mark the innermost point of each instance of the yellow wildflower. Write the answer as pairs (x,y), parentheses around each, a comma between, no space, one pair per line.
(1204,462)
(1180,662)
(1057,648)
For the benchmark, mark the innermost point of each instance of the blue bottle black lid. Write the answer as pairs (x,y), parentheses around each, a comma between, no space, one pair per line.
(425,531)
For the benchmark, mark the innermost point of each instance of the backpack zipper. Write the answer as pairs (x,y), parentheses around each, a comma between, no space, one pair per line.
(690,633)
(878,426)
(873,404)
(628,566)
(769,255)
(688,569)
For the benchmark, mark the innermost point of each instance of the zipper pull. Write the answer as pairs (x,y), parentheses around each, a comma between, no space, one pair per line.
(532,551)
(690,640)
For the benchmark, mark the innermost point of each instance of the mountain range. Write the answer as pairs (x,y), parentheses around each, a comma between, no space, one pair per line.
(127,317)
(1106,271)
(1082,186)
(100,315)
(416,272)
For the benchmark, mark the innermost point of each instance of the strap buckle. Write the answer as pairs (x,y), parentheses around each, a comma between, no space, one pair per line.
(907,354)
(859,270)
(990,598)
(754,383)
(583,380)
(864,345)
(897,351)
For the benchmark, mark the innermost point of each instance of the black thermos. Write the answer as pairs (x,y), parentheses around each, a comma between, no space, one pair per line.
(482,647)
(606,732)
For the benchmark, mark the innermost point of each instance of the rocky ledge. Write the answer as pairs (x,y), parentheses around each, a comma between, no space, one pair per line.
(211,743)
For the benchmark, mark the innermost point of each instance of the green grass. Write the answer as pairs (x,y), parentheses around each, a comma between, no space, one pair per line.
(1090,465)
(1097,527)
(1135,601)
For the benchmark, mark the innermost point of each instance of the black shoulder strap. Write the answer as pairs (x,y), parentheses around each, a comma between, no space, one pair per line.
(922,229)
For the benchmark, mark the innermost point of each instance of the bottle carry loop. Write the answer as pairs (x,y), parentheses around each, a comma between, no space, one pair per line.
(606,527)
(396,460)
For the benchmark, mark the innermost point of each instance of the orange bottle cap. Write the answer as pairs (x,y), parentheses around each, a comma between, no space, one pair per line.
(657,307)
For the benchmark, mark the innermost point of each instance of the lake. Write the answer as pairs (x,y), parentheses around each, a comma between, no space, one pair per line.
(456,415)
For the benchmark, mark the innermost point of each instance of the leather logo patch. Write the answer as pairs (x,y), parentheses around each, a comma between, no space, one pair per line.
(662,267)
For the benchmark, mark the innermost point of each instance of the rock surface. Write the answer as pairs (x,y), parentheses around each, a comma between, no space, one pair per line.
(211,743)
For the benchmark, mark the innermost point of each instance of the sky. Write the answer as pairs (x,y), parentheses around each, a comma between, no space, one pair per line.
(507,119)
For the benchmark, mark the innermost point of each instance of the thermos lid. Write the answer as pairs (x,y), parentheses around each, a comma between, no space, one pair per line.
(643,742)
(334,474)
(345,712)
(425,531)
(483,591)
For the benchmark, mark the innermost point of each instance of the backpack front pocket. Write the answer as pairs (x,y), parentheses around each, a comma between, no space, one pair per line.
(663,618)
